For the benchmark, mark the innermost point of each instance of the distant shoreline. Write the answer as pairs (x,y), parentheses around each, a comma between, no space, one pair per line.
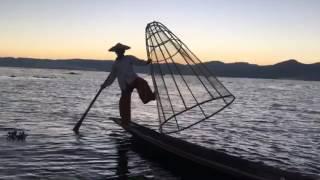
(289,69)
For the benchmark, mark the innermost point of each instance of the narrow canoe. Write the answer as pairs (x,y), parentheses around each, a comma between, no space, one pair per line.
(204,158)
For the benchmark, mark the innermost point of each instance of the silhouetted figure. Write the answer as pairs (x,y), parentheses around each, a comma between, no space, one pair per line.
(128,80)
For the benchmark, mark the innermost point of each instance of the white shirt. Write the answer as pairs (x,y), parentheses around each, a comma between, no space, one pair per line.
(123,70)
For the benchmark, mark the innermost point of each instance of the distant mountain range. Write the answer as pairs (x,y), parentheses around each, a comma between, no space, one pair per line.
(290,69)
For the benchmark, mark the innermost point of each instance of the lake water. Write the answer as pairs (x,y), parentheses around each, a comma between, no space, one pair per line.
(273,121)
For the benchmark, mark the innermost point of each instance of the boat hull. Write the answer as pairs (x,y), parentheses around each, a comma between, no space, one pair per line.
(199,161)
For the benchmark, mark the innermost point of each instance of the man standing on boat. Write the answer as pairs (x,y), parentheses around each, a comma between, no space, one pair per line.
(122,69)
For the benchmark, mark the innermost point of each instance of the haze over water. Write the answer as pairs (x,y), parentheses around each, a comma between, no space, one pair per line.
(273,121)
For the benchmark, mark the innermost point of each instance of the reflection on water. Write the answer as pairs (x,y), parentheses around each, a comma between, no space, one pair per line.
(122,167)
(274,121)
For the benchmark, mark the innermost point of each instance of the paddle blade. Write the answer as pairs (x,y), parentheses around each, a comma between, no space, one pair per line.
(77,126)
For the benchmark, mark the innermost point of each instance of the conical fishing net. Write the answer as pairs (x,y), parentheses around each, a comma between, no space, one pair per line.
(187,91)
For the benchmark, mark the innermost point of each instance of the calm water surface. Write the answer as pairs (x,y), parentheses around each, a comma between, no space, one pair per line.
(273,121)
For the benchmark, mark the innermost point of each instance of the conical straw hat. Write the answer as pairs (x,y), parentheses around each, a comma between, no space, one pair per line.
(119,46)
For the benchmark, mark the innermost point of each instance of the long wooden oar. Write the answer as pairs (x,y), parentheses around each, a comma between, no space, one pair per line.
(77,126)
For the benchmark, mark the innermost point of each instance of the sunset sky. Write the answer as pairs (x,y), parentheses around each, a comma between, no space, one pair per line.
(255,31)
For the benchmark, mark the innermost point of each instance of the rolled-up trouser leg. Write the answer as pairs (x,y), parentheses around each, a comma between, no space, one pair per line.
(144,90)
(125,107)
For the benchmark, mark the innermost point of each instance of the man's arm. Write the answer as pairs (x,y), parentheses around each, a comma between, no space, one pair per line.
(112,76)
(139,62)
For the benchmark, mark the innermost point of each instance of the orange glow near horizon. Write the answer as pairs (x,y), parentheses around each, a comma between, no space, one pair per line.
(103,54)
(205,49)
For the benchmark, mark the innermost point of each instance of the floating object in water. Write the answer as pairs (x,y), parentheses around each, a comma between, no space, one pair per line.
(72,73)
(16,134)
(43,77)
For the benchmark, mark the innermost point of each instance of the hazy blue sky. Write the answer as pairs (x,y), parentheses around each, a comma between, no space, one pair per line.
(256,31)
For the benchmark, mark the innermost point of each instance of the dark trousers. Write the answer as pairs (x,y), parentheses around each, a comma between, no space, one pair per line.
(145,94)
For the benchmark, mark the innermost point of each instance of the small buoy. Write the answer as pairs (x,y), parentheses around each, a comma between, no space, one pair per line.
(73,73)
(15,134)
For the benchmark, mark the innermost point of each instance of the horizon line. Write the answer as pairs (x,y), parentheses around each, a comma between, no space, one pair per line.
(235,62)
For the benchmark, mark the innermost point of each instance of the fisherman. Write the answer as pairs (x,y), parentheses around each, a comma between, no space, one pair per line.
(122,69)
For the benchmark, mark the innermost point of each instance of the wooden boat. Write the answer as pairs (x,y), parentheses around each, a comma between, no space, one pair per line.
(208,161)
